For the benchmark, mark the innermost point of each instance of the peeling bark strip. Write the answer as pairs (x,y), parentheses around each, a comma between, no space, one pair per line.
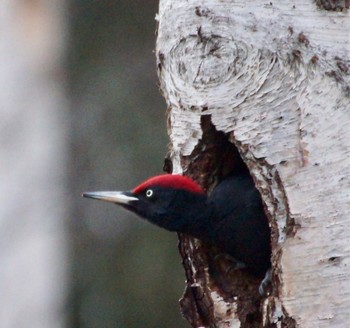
(335,5)
(273,77)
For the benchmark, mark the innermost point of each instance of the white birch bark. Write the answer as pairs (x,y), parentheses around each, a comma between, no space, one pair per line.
(32,159)
(275,76)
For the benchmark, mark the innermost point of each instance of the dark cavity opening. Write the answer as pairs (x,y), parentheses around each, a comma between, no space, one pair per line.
(213,159)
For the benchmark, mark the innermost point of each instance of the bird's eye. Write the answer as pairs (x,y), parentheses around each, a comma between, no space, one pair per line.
(149,193)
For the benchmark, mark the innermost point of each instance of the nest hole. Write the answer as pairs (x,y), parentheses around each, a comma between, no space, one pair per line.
(214,158)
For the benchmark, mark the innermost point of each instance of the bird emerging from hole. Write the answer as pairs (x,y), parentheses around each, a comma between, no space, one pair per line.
(232,217)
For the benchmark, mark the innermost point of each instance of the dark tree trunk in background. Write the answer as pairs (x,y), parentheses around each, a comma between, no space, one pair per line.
(271,80)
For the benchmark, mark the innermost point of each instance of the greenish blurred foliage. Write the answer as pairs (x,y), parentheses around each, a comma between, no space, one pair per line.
(125,272)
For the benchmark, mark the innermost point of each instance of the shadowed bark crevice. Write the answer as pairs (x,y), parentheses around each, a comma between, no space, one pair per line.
(207,269)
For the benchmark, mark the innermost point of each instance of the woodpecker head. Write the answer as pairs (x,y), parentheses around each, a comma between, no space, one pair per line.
(168,201)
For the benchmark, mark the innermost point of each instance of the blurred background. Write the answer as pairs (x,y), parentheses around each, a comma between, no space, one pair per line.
(81,111)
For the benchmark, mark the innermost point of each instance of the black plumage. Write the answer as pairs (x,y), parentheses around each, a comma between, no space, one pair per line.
(231,217)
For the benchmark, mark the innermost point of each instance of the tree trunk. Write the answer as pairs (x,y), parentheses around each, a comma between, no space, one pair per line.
(271,80)
(33,153)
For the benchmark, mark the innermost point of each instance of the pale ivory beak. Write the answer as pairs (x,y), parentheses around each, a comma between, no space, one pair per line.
(117,197)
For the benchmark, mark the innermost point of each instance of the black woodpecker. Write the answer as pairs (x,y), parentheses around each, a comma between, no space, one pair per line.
(231,217)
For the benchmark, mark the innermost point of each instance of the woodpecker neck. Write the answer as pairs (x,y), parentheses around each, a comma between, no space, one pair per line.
(198,219)
(181,211)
